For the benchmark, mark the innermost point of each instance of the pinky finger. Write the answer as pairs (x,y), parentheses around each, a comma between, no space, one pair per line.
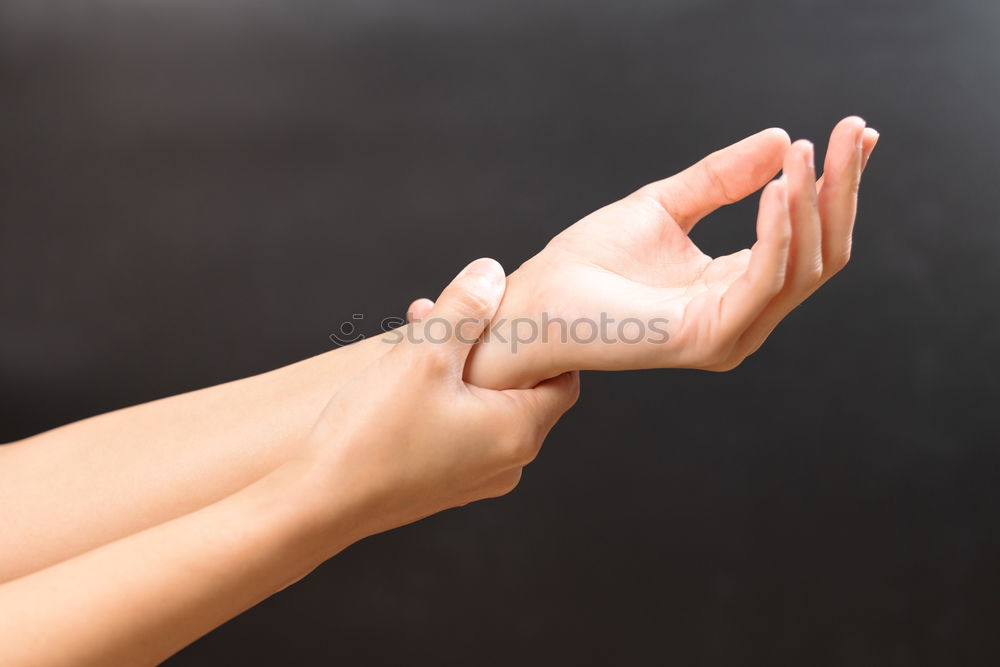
(868,140)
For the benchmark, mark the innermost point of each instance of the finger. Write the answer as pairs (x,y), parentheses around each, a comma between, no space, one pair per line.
(724,177)
(868,141)
(757,333)
(751,292)
(805,259)
(418,310)
(779,308)
(533,411)
(838,199)
(463,311)
(547,401)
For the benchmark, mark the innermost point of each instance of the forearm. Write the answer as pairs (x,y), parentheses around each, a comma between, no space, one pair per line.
(69,490)
(88,483)
(141,598)
(362,468)
(85,484)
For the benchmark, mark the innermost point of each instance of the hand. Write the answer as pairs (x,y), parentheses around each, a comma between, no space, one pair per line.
(634,259)
(408,437)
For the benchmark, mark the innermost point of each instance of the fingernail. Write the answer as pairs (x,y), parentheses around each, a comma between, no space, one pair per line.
(486,269)
(483,266)
(808,156)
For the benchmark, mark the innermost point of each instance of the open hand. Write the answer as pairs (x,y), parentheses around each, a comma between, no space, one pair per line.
(633,260)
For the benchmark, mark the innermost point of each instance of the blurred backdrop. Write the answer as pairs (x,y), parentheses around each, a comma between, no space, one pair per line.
(194,191)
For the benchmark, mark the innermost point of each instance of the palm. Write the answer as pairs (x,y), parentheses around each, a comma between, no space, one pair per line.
(633,261)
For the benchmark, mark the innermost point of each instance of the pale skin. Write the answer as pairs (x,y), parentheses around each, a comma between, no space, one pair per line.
(385,451)
(155,478)
(634,259)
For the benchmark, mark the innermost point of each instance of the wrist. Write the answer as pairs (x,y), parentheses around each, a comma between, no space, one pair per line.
(316,518)
(519,350)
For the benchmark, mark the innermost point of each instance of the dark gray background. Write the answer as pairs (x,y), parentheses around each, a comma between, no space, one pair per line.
(194,191)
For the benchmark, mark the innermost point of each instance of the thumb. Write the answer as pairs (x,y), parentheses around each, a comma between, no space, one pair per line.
(464,309)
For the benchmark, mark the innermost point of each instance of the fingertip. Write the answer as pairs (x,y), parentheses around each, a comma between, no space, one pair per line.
(807,151)
(856,122)
(778,134)
(800,159)
(868,141)
(484,281)
(854,127)
(419,309)
(869,137)
(773,141)
(465,308)
(486,267)
(845,152)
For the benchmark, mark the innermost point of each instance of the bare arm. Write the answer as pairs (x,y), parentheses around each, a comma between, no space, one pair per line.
(141,598)
(405,438)
(76,487)
(88,483)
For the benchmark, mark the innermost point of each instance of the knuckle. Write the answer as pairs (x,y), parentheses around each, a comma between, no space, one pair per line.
(841,260)
(719,354)
(426,360)
(502,484)
(522,446)
(724,359)
(646,203)
(717,182)
(726,365)
(807,277)
(776,284)
(813,274)
(646,198)
(469,329)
